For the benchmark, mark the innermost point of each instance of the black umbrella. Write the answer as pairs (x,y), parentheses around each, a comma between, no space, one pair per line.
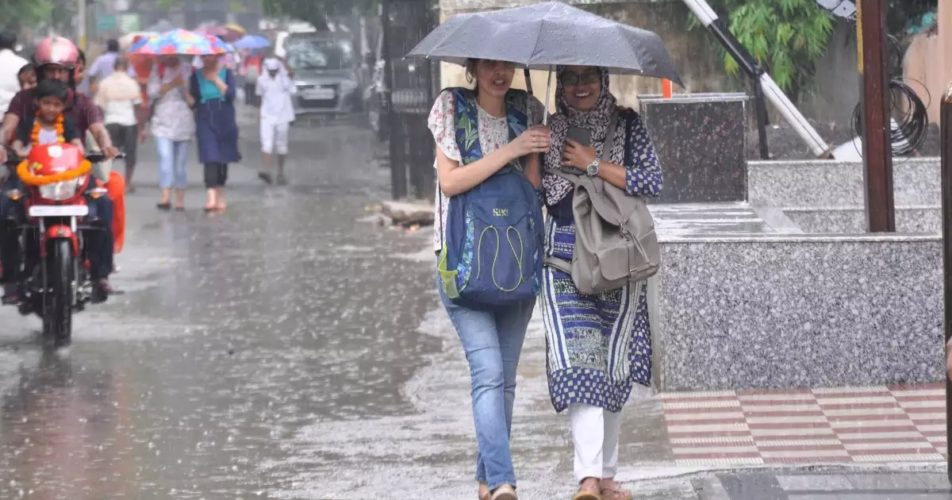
(543,35)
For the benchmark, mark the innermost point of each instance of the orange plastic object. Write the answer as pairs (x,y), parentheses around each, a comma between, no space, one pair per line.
(667,88)
(116,190)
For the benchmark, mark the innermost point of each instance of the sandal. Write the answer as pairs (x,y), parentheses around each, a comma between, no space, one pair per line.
(505,492)
(587,495)
(616,494)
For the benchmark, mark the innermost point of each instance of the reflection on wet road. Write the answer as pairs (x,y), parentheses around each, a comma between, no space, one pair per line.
(235,333)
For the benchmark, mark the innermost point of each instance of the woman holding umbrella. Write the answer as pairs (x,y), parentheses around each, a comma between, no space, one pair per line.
(492,338)
(213,89)
(599,345)
(172,126)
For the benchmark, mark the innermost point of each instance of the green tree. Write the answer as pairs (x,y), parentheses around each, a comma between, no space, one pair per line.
(24,13)
(788,36)
(785,36)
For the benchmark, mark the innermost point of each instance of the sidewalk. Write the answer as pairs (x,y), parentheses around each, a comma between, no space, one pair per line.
(839,425)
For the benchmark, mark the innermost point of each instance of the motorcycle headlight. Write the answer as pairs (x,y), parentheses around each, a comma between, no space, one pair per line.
(59,191)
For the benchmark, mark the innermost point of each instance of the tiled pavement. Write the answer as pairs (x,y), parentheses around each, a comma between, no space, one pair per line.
(815,486)
(839,425)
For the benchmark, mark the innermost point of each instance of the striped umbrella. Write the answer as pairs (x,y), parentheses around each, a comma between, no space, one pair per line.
(180,42)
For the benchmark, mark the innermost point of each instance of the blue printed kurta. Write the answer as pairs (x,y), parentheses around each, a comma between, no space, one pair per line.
(599,345)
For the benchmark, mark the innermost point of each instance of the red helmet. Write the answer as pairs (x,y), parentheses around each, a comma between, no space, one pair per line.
(56,50)
(54,158)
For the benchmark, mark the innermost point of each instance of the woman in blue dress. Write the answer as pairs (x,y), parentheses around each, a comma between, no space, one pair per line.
(598,346)
(213,88)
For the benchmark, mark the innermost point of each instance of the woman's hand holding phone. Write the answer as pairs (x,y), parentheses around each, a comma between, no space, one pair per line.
(577,155)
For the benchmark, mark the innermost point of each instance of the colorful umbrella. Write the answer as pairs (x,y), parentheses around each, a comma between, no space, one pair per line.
(128,40)
(180,42)
(228,32)
(252,42)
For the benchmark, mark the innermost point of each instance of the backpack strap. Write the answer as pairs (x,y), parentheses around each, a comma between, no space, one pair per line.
(467,120)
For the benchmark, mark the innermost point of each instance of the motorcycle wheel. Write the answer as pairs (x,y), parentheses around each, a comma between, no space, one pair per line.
(57,301)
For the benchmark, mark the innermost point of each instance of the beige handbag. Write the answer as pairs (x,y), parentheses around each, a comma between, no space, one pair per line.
(615,239)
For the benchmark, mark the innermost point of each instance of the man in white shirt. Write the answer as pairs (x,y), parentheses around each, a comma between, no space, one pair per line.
(275,88)
(10,65)
(119,96)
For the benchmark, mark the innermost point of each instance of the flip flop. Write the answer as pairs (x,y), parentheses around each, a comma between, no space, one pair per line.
(584,495)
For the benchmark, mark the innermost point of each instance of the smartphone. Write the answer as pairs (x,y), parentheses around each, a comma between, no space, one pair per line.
(580,135)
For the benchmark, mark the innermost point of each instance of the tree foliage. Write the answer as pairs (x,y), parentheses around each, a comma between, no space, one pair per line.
(24,13)
(785,36)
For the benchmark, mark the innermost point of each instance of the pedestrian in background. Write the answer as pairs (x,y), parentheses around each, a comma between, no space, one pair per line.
(599,345)
(173,127)
(27,77)
(119,96)
(102,67)
(275,88)
(10,66)
(213,89)
(492,338)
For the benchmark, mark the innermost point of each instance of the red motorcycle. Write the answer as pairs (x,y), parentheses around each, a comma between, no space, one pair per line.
(57,280)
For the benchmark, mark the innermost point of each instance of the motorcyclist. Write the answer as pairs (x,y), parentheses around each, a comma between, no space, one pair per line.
(55,58)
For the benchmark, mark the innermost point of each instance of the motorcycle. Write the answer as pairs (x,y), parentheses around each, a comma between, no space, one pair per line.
(50,230)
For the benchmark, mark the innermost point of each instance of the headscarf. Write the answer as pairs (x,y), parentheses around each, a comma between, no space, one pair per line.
(595,121)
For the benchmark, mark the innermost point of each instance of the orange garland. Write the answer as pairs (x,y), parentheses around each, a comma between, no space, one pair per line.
(60,130)
(28,177)
(25,172)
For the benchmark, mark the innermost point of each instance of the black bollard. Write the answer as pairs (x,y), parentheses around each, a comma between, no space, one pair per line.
(945,119)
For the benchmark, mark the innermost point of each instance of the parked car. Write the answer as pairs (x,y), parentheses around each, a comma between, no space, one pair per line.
(326,72)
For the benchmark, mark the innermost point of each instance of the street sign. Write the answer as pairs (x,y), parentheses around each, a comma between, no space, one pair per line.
(106,23)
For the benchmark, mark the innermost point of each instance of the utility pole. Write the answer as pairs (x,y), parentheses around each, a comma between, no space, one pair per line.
(81,23)
(877,143)
(945,145)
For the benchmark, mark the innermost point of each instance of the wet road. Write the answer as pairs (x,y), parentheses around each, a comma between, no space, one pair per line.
(293,349)
(236,331)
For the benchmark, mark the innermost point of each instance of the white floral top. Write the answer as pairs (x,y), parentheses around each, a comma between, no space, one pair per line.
(493,135)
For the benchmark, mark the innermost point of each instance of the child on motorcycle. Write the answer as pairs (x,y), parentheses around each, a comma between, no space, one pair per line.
(50,125)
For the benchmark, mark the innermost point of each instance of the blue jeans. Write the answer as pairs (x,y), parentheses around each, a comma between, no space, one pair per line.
(173,163)
(492,340)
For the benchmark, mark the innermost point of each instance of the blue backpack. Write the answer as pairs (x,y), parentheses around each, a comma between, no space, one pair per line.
(493,245)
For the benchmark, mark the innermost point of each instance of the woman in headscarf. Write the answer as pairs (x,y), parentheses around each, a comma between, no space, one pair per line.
(598,346)
(213,90)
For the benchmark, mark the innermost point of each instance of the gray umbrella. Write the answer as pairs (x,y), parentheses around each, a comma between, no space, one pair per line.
(542,35)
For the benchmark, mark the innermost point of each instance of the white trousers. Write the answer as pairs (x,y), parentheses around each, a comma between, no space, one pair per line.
(595,432)
(274,136)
